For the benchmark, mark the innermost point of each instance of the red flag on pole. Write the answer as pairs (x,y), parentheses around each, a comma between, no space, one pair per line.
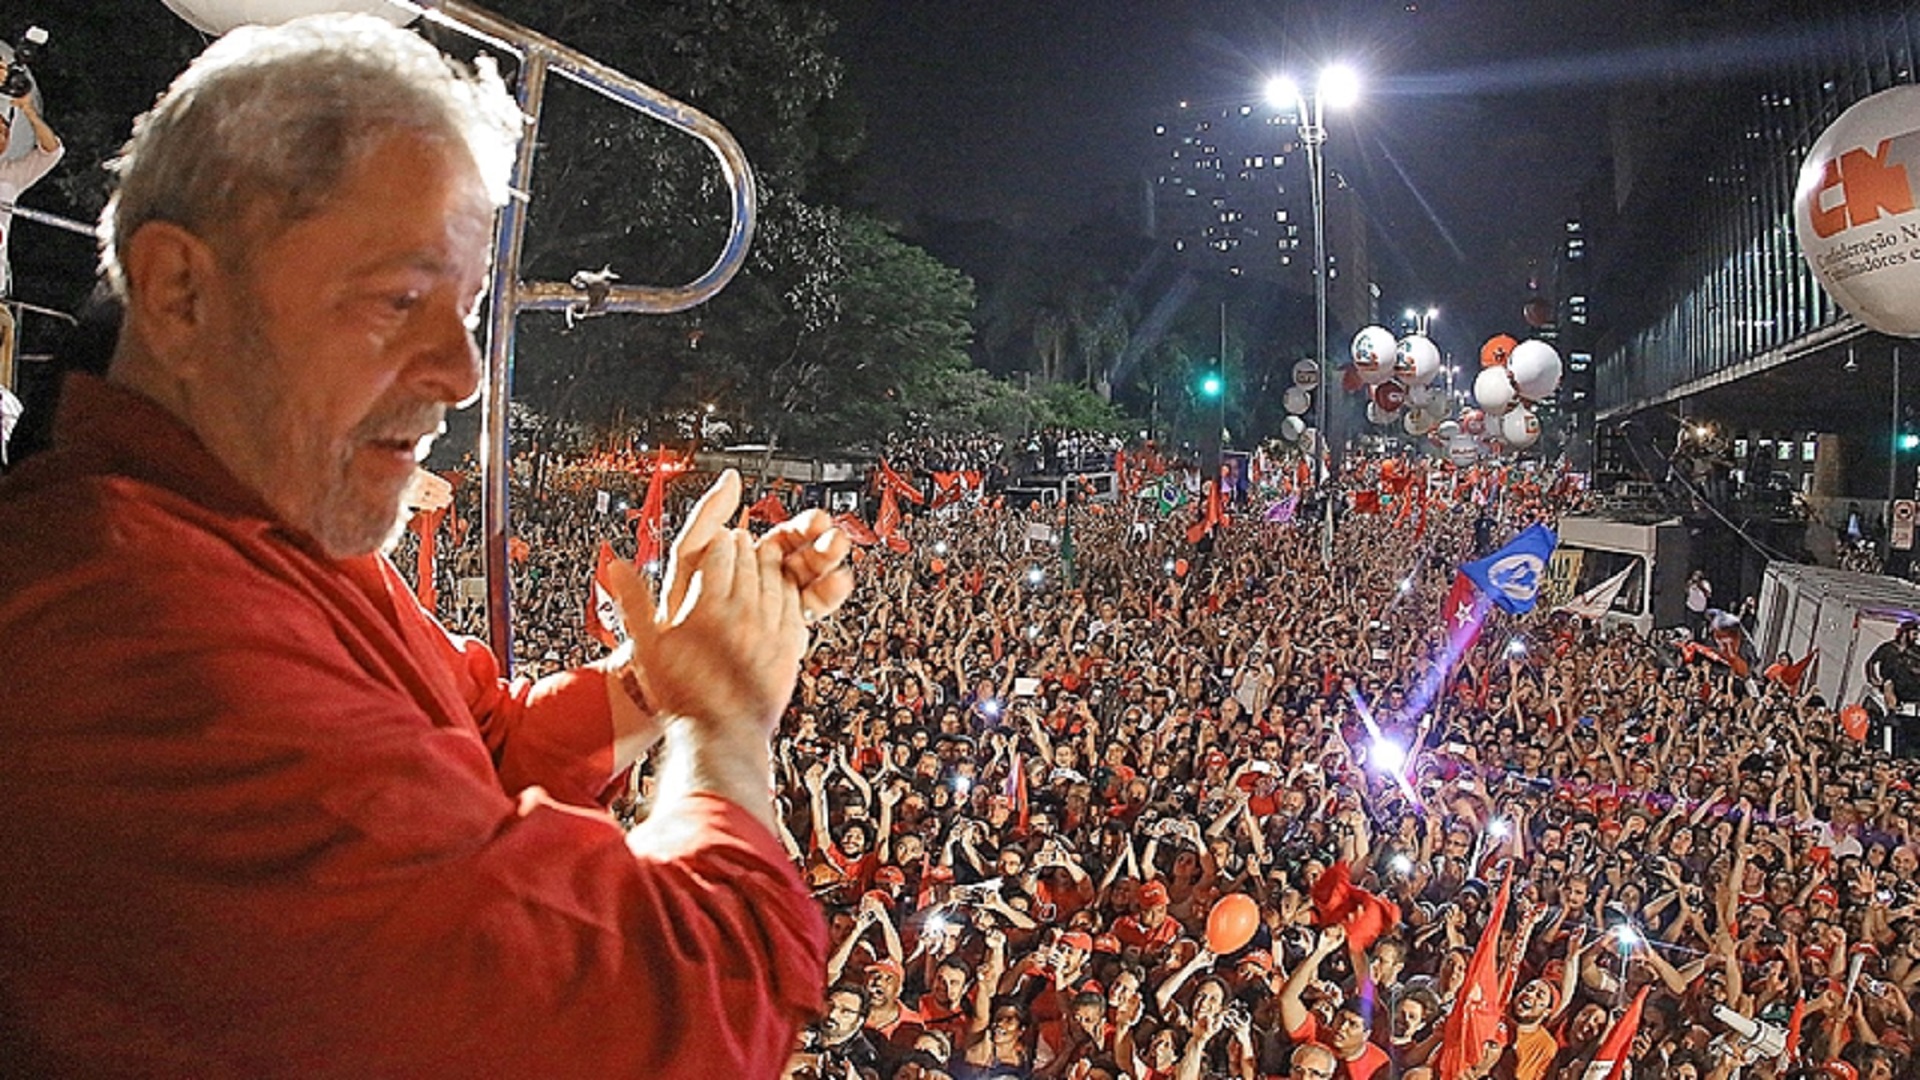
(1610,1061)
(891,481)
(1791,675)
(603,611)
(650,520)
(425,524)
(1463,612)
(886,524)
(857,531)
(1211,515)
(1476,1012)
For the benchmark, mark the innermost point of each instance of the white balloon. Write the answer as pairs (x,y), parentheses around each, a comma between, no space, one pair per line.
(1462,450)
(1447,429)
(1535,368)
(1292,428)
(1418,422)
(1296,400)
(1416,360)
(1855,204)
(1520,428)
(1378,415)
(1493,388)
(1373,349)
(220,16)
(1306,374)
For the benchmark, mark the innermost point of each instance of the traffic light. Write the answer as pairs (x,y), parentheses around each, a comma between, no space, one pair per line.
(1907,438)
(1211,385)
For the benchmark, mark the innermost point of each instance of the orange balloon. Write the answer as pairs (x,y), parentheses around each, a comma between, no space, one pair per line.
(938,566)
(1853,721)
(1179,568)
(1496,351)
(1231,923)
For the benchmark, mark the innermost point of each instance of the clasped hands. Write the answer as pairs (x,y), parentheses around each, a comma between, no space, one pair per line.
(721,646)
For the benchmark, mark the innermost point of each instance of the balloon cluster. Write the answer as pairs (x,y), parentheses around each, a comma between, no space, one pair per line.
(1514,377)
(1398,377)
(1298,399)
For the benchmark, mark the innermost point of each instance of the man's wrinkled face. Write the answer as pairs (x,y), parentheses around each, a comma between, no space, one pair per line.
(334,345)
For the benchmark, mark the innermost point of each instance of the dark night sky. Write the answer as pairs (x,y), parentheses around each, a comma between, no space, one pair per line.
(1474,135)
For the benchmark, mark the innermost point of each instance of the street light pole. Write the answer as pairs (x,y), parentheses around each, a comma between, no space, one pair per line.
(1313,134)
(1340,82)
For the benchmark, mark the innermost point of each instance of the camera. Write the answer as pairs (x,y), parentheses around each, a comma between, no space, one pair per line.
(19,81)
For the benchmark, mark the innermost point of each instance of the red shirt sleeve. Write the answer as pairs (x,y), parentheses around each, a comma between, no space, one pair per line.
(256,830)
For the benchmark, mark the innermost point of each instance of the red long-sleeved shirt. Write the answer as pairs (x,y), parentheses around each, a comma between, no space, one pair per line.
(262,816)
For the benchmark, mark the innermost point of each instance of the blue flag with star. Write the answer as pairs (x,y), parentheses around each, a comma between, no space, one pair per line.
(1513,576)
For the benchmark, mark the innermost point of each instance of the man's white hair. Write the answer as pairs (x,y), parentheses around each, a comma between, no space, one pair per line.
(281,114)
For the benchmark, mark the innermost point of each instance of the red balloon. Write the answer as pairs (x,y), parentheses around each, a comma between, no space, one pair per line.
(1538,312)
(1390,396)
(938,566)
(1179,568)
(1496,351)
(1231,923)
(1350,380)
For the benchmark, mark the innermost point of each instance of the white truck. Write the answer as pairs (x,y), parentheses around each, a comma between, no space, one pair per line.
(1845,615)
(1593,549)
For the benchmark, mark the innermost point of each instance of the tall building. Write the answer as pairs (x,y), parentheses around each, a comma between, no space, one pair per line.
(1713,339)
(1231,194)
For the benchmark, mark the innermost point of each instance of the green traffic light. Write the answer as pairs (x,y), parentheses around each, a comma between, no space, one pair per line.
(1909,441)
(1211,386)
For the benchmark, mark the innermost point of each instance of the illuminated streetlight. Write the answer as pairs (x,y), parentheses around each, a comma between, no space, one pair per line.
(1339,86)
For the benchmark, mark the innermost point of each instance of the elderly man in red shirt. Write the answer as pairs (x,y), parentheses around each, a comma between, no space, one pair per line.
(265,817)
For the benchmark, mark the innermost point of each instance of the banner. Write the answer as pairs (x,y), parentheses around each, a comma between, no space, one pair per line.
(603,611)
(1597,601)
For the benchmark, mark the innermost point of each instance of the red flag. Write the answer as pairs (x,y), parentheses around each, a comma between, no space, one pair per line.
(1016,790)
(769,509)
(650,520)
(1476,1012)
(1610,1060)
(886,524)
(1791,1048)
(857,531)
(603,611)
(1791,675)
(1463,612)
(890,481)
(518,550)
(1337,900)
(1212,515)
(1366,502)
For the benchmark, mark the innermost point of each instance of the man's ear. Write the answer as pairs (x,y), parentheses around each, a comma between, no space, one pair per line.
(171,277)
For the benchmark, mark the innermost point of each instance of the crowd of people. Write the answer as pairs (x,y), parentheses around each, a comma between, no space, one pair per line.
(1020,779)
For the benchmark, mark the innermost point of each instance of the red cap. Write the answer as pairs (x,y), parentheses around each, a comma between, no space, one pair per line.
(1261,959)
(890,875)
(1106,943)
(1824,894)
(1077,939)
(888,965)
(1610,826)
(1153,894)
(878,897)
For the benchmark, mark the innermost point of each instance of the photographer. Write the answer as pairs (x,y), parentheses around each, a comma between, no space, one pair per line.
(17,174)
